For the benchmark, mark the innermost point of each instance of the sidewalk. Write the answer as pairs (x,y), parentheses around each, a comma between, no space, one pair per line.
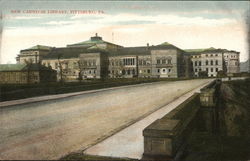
(60,96)
(128,143)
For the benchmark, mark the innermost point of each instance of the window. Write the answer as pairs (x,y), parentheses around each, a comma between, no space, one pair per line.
(206,62)
(207,69)
(148,70)
(199,63)
(133,71)
(163,70)
(169,70)
(211,62)
(140,62)
(212,70)
(216,62)
(195,70)
(158,61)
(169,61)
(216,69)
(158,70)
(195,63)
(164,61)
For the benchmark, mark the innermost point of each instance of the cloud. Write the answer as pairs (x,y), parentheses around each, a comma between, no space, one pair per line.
(167,19)
(12,17)
(59,22)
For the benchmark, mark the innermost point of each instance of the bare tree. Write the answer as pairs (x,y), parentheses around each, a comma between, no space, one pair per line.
(60,67)
(81,69)
(28,65)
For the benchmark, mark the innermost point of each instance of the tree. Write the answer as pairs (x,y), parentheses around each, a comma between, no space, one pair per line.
(28,65)
(61,69)
(81,69)
(221,74)
(203,74)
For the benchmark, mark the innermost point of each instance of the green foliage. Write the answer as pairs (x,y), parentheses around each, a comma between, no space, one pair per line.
(203,74)
(20,91)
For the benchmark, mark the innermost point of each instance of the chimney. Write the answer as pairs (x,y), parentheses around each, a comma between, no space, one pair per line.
(147,45)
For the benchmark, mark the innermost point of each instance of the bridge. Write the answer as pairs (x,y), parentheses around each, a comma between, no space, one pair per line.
(50,127)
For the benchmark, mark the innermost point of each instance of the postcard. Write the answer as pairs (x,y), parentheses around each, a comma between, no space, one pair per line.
(124,80)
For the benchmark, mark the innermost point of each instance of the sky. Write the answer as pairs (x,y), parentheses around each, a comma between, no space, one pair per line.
(187,25)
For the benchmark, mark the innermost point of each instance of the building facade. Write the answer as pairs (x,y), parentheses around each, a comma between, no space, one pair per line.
(212,61)
(26,74)
(96,58)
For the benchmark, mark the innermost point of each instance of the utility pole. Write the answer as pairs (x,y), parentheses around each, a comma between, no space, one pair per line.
(112,37)
(248,25)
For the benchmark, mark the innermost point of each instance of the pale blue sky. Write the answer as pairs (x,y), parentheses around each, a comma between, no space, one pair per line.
(185,24)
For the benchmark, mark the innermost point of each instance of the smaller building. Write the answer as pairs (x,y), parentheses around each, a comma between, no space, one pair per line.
(212,61)
(34,54)
(25,74)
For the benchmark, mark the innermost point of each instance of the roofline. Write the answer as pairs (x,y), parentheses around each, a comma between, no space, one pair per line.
(82,43)
(35,49)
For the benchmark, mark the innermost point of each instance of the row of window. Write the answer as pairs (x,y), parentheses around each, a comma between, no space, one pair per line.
(89,72)
(123,72)
(89,62)
(207,55)
(207,70)
(129,61)
(163,61)
(164,70)
(231,56)
(211,62)
(144,62)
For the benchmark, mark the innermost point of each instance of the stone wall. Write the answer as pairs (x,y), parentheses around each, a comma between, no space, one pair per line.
(166,138)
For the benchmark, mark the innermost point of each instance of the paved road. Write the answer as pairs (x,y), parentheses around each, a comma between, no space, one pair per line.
(51,129)
(128,143)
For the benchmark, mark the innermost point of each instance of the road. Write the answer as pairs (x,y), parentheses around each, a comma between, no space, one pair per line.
(50,129)
(129,143)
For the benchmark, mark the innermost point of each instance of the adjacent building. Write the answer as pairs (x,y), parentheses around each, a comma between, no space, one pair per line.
(26,74)
(96,58)
(213,61)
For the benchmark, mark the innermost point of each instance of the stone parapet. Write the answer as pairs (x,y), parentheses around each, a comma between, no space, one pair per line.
(164,138)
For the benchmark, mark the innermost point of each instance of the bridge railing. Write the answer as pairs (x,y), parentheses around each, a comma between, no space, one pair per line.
(165,139)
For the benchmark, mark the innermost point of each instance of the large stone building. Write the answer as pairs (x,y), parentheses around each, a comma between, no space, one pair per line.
(96,58)
(213,60)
